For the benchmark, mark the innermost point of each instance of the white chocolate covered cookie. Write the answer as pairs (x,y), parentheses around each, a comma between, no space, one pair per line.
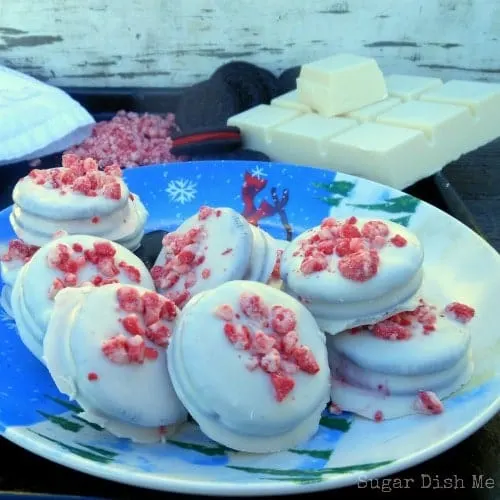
(106,348)
(250,365)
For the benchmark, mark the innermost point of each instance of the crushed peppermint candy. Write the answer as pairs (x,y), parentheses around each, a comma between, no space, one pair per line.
(185,254)
(129,140)
(402,326)
(148,317)
(428,402)
(276,273)
(269,336)
(81,176)
(355,249)
(18,250)
(70,260)
(460,312)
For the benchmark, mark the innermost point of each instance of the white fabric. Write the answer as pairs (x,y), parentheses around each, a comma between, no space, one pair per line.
(37,119)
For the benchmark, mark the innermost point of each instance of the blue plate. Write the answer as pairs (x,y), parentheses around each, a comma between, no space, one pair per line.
(285,200)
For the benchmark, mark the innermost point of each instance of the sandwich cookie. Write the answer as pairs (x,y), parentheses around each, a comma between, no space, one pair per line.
(211,247)
(403,365)
(11,262)
(106,348)
(354,272)
(255,377)
(69,261)
(79,199)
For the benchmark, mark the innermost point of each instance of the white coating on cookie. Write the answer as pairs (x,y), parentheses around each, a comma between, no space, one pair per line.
(30,301)
(49,203)
(381,379)
(398,265)
(258,255)
(226,245)
(368,403)
(419,355)
(233,405)
(334,318)
(9,270)
(116,399)
(5,300)
(125,225)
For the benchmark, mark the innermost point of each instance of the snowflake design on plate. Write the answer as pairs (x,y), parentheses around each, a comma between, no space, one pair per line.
(258,172)
(7,320)
(181,190)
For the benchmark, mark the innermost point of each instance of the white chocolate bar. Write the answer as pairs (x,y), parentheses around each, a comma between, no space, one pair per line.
(290,100)
(303,140)
(258,122)
(407,87)
(383,153)
(482,100)
(396,141)
(370,112)
(445,125)
(340,84)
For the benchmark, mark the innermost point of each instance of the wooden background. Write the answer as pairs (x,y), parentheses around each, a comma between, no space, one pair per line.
(174,43)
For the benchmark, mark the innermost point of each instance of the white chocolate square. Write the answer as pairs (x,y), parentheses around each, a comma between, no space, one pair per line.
(390,155)
(481,99)
(407,87)
(256,123)
(290,100)
(370,112)
(303,139)
(446,125)
(341,83)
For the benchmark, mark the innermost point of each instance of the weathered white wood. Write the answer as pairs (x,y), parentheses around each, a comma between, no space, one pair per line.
(171,43)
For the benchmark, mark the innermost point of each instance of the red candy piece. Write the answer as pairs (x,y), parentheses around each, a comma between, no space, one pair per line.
(262,343)
(378,416)
(359,266)
(159,333)
(253,306)
(129,299)
(107,267)
(205,212)
(104,249)
(133,325)
(389,330)
(132,273)
(460,312)
(305,360)
(283,320)
(283,385)
(373,229)
(314,264)
(427,402)
(113,191)
(399,241)
(153,304)
(225,312)
(239,337)
(168,310)
(271,361)
(19,250)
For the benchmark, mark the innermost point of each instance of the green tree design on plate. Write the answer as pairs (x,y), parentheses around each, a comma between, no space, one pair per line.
(104,456)
(336,191)
(400,204)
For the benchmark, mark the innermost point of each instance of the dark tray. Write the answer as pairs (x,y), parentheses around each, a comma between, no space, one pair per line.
(26,472)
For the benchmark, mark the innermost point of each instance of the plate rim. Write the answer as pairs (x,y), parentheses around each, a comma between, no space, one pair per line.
(120,473)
